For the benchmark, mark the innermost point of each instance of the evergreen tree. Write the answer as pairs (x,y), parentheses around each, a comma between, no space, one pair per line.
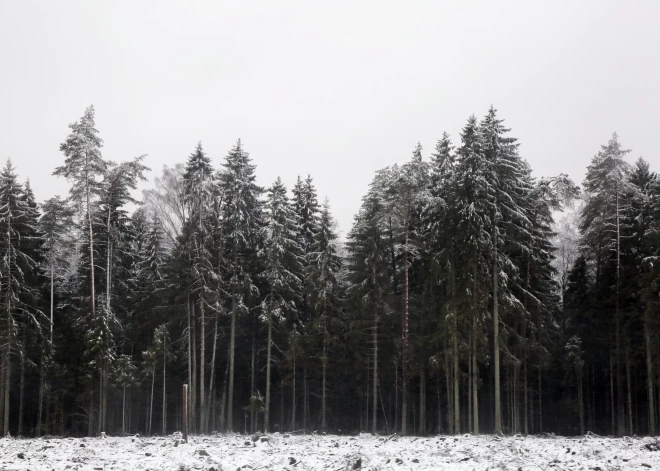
(243,231)
(19,291)
(323,272)
(283,257)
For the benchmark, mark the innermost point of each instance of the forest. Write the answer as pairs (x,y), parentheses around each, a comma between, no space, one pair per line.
(469,296)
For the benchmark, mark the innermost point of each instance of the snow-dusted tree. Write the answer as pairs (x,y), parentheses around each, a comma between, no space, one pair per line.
(243,230)
(283,265)
(407,195)
(323,271)
(605,220)
(55,225)
(199,192)
(125,377)
(84,168)
(367,272)
(19,297)
(508,224)
(118,182)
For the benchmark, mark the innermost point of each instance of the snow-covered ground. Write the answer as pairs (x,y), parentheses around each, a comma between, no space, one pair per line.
(333,453)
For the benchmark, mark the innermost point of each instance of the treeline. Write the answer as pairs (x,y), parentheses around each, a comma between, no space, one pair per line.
(456,303)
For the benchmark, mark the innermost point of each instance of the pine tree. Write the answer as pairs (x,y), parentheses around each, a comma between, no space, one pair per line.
(83,168)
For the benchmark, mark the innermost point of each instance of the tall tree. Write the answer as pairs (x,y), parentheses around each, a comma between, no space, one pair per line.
(243,231)
(283,257)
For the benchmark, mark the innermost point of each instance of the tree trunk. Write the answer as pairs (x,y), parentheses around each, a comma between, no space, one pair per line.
(123,411)
(422,400)
(268,373)
(612,394)
(293,396)
(212,378)
(540,402)
(41,393)
(619,381)
(164,385)
(21,394)
(324,360)
(202,366)
(630,415)
(475,380)
(649,377)
(151,403)
(232,350)
(305,398)
(191,405)
(252,389)
(404,347)
(496,337)
(195,384)
(374,419)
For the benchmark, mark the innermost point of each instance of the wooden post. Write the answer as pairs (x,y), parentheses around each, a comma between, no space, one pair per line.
(185,412)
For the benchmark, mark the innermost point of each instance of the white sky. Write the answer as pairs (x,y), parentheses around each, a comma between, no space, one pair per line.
(336,89)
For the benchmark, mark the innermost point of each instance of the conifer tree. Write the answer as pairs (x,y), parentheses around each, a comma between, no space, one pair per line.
(323,272)
(283,265)
(19,296)
(243,231)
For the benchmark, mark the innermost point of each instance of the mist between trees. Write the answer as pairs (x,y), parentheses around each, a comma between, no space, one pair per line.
(456,303)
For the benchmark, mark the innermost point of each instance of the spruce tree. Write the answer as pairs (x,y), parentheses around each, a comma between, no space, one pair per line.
(283,265)
(243,232)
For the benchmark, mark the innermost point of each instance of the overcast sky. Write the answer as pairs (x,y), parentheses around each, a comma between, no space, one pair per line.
(336,89)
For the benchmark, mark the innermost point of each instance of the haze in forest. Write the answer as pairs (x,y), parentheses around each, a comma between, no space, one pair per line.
(335,90)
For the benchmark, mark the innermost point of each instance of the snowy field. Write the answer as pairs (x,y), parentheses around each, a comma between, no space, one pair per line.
(333,453)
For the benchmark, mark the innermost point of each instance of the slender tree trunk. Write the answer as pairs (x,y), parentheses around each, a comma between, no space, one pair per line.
(164,385)
(540,402)
(232,350)
(649,377)
(123,411)
(223,400)
(422,400)
(469,396)
(475,380)
(619,376)
(21,400)
(374,419)
(450,396)
(496,336)
(404,347)
(252,388)
(305,398)
(269,347)
(190,363)
(630,414)
(41,393)
(526,394)
(580,400)
(324,379)
(195,384)
(475,369)
(293,396)
(212,378)
(614,430)
(202,366)
(151,403)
